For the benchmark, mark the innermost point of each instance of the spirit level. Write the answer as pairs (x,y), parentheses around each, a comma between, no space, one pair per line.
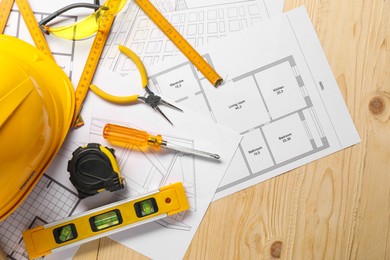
(105,220)
(182,44)
(101,37)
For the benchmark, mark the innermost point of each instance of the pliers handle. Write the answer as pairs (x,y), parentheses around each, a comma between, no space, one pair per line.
(125,99)
(150,99)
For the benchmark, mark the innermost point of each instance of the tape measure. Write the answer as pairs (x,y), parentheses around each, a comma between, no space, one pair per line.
(5,10)
(92,61)
(181,43)
(105,220)
(93,168)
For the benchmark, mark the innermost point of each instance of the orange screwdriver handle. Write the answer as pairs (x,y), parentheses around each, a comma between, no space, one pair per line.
(125,137)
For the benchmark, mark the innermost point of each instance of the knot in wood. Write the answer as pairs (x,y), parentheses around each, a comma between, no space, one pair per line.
(377,105)
(276,249)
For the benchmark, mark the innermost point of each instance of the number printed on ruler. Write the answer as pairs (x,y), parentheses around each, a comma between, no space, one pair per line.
(33,28)
(5,10)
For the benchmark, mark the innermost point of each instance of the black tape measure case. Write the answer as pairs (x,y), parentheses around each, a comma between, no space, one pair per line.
(93,168)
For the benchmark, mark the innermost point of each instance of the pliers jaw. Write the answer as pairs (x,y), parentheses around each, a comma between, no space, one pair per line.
(150,98)
(156,108)
(153,100)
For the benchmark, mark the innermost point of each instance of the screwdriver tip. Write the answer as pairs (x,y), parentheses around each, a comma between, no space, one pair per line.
(215,156)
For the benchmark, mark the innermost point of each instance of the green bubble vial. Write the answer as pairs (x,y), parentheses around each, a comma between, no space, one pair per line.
(105,220)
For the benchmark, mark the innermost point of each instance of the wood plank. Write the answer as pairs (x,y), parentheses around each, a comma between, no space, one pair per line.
(88,251)
(110,249)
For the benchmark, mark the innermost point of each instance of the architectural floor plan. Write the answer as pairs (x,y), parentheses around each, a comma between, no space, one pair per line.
(289,128)
(278,95)
(199,25)
(285,126)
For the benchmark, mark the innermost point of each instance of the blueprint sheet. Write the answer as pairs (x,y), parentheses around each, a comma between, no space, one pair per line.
(279,94)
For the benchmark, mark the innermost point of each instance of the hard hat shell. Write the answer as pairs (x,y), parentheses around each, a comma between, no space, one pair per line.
(36,109)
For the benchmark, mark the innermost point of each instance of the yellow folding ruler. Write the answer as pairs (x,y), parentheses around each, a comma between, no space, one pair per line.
(33,28)
(105,220)
(93,60)
(30,21)
(181,43)
(5,10)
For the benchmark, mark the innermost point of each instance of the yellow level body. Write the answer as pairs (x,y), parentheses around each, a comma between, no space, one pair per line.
(106,220)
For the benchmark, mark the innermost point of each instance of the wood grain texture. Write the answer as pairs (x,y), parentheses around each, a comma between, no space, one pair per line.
(337,207)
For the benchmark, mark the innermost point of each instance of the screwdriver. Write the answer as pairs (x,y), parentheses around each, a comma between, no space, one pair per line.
(125,136)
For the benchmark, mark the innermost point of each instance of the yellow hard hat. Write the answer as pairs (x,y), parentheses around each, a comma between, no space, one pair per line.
(36,109)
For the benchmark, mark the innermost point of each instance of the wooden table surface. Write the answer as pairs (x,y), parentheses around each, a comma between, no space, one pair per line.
(337,207)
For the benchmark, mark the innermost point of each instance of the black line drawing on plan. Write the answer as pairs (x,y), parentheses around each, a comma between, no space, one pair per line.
(283,125)
(289,128)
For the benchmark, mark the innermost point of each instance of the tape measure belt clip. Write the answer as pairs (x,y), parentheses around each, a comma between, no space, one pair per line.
(93,168)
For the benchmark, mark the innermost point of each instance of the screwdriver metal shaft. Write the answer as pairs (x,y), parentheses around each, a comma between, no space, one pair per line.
(126,136)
